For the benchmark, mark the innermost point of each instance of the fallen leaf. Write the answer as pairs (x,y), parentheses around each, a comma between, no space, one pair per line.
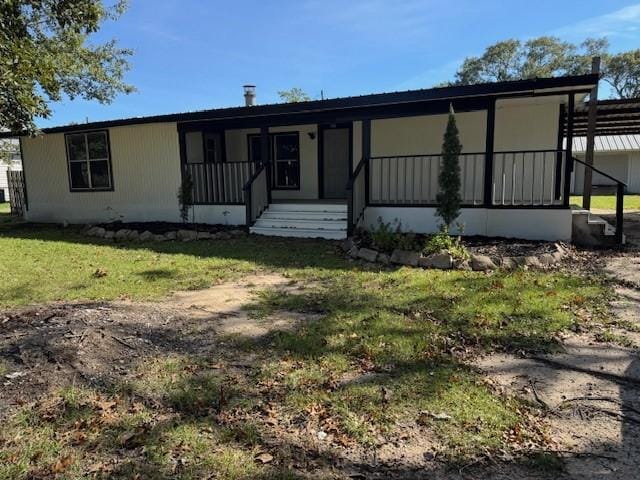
(264,457)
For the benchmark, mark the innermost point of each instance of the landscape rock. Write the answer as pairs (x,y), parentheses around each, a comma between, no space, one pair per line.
(159,238)
(384,258)
(96,232)
(347,244)
(236,233)
(353,253)
(109,234)
(368,254)
(186,235)
(405,257)
(171,235)
(547,259)
(482,263)
(461,264)
(121,234)
(146,236)
(204,236)
(532,261)
(133,236)
(442,261)
(508,263)
(222,236)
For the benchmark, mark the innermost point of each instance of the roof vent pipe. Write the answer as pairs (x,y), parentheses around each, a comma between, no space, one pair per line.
(249,95)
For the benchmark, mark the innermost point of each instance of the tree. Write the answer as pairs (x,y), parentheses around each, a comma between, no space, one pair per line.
(45,55)
(548,57)
(294,95)
(449,198)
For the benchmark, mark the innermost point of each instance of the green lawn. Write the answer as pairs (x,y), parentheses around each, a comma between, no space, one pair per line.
(412,333)
(5,207)
(608,202)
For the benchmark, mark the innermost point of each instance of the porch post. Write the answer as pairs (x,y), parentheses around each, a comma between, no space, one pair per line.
(568,166)
(488,156)
(265,155)
(591,132)
(366,153)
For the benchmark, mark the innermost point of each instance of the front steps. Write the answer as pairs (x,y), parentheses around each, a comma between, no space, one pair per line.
(589,230)
(303,220)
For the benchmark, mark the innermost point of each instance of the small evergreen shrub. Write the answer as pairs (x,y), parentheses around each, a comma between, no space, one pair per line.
(185,197)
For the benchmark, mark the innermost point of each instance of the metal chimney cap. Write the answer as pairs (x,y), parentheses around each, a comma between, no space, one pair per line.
(249,88)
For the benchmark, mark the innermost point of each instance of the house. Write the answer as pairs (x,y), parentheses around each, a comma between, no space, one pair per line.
(321,168)
(9,161)
(616,155)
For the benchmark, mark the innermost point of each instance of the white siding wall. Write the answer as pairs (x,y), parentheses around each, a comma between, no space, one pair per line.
(531,224)
(634,173)
(146,177)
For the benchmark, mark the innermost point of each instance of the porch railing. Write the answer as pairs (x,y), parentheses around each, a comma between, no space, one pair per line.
(357,195)
(532,178)
(413,180)
(220,183)
(256,193)
(620,188)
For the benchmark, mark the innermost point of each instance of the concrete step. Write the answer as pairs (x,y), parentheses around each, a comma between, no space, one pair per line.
(300,233)
(284,215)
(308,207)
(591,230)
(306,224)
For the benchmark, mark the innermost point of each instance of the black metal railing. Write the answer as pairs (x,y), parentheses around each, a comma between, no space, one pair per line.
(220,183)
(256,193)
(620,187)
(356,195)
(413,179)
(528,178)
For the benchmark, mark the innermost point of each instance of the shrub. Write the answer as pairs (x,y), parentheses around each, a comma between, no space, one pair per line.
(443,242)
(387,237)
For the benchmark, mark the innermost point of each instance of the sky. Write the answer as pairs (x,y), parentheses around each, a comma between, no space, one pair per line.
(197,54)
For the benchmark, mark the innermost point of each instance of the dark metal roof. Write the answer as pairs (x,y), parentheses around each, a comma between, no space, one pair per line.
(615,117)
(530,87)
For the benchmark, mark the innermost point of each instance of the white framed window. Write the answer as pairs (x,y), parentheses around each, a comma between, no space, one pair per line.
(89,161)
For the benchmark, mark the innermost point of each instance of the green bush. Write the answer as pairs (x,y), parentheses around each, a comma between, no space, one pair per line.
(387,237)
(443,242)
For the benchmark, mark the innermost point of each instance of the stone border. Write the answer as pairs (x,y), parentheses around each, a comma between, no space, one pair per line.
(127,235)
(444,261)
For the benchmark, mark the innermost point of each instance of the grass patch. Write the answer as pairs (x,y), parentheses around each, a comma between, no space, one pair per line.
(608,202)
(615,338)
(392,349)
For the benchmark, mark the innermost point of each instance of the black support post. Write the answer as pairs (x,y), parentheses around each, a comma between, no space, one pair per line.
(557,187)
(265,156)
(591,132)
(488,159)
(568,165)
(366,153)
(619,213)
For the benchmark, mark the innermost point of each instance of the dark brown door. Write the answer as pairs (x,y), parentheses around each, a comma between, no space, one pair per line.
(336,146)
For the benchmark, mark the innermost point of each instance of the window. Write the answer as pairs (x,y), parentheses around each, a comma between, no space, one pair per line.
(284,151)
(89,161)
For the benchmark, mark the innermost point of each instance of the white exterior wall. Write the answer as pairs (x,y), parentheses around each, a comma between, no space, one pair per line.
(530,224)
(145,161)
(633,181)
(624,166)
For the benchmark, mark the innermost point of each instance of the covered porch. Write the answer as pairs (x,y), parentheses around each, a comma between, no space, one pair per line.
(382,160)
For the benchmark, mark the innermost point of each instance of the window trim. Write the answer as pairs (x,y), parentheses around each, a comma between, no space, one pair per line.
(110,188)
(272,161)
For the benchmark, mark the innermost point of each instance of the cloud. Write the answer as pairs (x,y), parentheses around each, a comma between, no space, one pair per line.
(620,23)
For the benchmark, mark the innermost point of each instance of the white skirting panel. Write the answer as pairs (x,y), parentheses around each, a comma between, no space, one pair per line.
(525,223)
(212,214)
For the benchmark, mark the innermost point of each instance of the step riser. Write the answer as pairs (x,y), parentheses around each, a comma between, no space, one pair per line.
(298,233)
(309,225)
(303,207)
(319,216)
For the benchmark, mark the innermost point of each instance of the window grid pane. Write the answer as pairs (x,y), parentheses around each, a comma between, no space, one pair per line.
(89,161)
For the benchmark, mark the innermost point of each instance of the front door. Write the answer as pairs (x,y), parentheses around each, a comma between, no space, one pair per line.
(335,161)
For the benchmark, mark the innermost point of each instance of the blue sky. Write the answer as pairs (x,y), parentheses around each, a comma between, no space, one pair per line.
(195,54)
